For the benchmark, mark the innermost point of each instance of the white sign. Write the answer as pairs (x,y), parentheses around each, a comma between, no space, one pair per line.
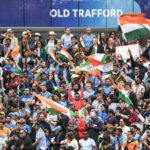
(124,51)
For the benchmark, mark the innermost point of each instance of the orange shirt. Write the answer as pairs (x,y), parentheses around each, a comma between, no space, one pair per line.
(133,145)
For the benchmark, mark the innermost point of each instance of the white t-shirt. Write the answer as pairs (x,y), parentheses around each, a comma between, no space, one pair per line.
(86,144)
(74,144)
(125,129)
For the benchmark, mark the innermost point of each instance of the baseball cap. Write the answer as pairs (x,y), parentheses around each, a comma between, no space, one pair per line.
(51,33)
(37,34)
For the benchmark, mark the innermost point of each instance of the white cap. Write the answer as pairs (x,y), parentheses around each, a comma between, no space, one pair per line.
(37,34)
(9,30)
(51,33)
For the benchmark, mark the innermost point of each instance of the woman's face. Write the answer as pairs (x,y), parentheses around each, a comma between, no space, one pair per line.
(102,35)
(23,60)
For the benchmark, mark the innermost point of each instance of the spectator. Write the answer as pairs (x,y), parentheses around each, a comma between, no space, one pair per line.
(24,141)
(87,143)
(40,139)
(66,38)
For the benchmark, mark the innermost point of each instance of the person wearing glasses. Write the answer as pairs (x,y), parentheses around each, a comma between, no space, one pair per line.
(24,142)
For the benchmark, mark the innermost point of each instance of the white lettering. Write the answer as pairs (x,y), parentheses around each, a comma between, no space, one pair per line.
(106,13)
(94,12)
(87,13)
(53,13)
(113,13)
(75,11)
(99,12)
(119,12)
(66,13)
(81,13)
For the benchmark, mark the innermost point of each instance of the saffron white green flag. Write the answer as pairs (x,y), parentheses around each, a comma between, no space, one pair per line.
(134,25)
(64,55)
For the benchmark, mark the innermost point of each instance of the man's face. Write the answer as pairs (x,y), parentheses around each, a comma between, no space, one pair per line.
(137,81)
(35,52)
(43,65)
(88,30)
(55,97)
(88,86)
(95,41)
(110,130)
(129,135)
(136,70)
(67,31)
(44,88)
(118,133)
(22,133)
(127,88)
(26,54)
(110,41)
(18,126)
(73,41)
(121,122)
(43,77)
(77,97)
(52,37)
(1,125)
(115,68)
(41,117)
(99,97)
(27,91)
(107,82)
(76,87)
(59,42)
(8,119)
(22,120)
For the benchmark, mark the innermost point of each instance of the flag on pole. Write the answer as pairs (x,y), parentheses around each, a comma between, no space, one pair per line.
(15,54)
(123,95)
(64,55)
(53,107)
(53,56)
(101,62)
(99,59)
(134,25)
(82,44)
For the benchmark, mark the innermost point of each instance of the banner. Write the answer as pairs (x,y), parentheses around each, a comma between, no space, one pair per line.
(123,51)
(64,13)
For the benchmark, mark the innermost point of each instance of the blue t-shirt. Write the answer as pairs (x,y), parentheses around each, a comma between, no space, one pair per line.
(41,135)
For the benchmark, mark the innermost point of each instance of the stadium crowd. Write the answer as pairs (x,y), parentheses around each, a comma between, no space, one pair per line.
(101,120)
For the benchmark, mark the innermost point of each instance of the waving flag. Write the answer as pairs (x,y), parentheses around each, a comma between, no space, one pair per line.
(101,62)
(82,44)
(53,56)
(53,107)
(64,55)
(123,95)
(15,54)
(134,25)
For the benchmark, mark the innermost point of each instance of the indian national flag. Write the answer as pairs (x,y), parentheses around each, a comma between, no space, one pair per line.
(82,44)
(15,53)
(101,62)
(53,56)
(53,107)
(134,25)
(123,95)
(64,55)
